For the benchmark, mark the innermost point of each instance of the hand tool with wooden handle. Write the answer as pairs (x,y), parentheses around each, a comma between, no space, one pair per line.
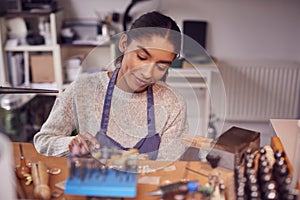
(23,169)
(40,178)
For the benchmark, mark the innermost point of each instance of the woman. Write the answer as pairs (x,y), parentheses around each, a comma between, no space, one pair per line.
(127,108)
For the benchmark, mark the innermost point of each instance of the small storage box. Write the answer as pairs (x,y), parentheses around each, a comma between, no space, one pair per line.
(232,145)
(42,68)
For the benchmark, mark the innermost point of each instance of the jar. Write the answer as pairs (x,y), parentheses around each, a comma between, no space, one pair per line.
(14,115)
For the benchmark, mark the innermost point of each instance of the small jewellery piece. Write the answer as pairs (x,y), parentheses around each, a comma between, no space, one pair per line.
(28,179)
(56,193)
(54,171)
(166,182)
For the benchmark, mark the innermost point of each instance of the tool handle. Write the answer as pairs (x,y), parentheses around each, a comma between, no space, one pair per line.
(171,187)
(23,169)
(40,179)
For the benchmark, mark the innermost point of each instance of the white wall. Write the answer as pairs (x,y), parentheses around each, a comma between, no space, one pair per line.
(237,29)
(242,29)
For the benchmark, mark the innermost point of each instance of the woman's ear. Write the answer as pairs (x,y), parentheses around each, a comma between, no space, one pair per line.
(123,43)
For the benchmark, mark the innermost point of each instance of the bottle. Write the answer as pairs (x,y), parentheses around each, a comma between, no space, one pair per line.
(47,36)
(45,30)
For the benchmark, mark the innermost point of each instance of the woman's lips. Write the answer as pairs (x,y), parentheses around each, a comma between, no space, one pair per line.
(141,82)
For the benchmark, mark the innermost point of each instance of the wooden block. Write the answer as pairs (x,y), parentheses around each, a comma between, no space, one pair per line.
(235,141)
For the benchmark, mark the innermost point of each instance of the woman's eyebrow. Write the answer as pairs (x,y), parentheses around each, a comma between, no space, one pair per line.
(145,50)
(164,62)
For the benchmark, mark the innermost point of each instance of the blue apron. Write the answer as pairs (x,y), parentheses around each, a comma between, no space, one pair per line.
(149,144)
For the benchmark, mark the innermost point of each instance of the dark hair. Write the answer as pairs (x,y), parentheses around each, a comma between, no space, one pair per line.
(154,23)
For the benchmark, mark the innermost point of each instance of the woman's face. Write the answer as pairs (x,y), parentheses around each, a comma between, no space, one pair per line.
(145,61)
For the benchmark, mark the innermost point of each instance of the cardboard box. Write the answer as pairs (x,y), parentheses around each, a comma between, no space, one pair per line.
(42,68)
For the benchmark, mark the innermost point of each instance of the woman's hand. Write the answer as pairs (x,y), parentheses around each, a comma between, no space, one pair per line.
(82,143)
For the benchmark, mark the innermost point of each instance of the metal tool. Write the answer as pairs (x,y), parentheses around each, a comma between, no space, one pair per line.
(19,90)
(178,187)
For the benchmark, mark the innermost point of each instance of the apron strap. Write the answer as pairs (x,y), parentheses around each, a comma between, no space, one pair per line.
(148,144)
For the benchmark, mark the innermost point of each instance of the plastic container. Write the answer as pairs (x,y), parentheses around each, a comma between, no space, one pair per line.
(72,69)
(14,115)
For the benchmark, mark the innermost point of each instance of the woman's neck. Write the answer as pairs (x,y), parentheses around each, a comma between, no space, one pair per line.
(120,83)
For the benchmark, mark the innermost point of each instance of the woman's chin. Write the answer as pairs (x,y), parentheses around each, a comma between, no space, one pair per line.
(139,88)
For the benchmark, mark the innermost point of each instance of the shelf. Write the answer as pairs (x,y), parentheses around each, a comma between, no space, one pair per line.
(189,85)
(48,86)
(66,85)
(31,48)
(55,20)
(29,14)
(91,44)
(194,70)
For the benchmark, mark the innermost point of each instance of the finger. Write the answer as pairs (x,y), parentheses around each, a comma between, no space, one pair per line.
(71,145)
(83,141)
(94,142)
(75,146)
(76,141)
(75,150)
(83,150)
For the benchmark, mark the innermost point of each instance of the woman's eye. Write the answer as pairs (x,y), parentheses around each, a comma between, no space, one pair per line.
(141,57)
(162,67)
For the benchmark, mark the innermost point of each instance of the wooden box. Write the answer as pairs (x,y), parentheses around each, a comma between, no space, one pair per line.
(235,142)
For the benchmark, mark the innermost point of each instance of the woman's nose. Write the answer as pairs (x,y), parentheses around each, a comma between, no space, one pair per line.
(147,70)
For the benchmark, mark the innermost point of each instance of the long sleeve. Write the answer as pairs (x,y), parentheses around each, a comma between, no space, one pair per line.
(54,136)
(171,147)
